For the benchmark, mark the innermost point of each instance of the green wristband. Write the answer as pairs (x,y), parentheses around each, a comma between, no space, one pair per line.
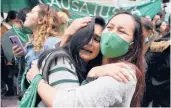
(37,78)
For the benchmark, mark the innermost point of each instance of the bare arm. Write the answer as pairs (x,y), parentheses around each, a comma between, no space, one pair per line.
(46,92)
(91,95)
(87,93)
(118,71)
(66,38)
(62,74)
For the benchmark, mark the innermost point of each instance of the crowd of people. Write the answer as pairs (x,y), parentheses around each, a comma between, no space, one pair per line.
(88,62)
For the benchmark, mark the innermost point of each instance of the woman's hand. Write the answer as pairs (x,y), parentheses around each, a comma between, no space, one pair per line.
(33,71)
(17,51)
(76,25)
(119,71)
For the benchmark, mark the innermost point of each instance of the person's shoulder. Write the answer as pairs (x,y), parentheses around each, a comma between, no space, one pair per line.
(166,37)
(51,42)
(9,33)
(53,39)
(4,28)
(131,69)
(159,47)
(58,57)
(112,85)
(62,63)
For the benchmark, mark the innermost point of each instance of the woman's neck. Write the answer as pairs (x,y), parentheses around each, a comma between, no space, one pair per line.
(86,61)
(105,61)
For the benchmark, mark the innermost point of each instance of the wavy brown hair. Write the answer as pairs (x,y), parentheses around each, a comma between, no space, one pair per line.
(135,59)
(50,26)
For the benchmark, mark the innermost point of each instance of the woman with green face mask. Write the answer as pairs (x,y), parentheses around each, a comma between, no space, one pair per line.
(149,34)
(121,41)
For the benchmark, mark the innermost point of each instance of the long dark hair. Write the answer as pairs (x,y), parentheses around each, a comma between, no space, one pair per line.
(72,48)
(147,24)
(135,56)
(11,16)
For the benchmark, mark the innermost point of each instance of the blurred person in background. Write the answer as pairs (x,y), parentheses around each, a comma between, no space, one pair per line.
(157,17)
(162,28)
(158,73)
(64,17)
(9,21)
(149,33)
(148,17)
(17,29)
(8,57)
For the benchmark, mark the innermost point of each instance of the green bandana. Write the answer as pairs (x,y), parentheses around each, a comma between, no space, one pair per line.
(22,33)
(147,39)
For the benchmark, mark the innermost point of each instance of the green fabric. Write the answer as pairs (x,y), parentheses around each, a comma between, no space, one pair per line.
(24,82)
(167,18)
(20,62)
(29,98)
(22,33)
(60,69)
(80,8)
(64,26)
(112,45)
(84,82)
(16,5)
(147,39)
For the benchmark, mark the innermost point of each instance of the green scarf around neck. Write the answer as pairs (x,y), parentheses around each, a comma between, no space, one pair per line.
(22,33)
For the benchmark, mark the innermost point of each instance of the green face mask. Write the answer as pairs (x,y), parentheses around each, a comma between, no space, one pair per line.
(112,45)
(147,39)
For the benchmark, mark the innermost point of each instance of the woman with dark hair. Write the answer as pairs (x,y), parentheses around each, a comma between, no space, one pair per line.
(67,66)
(159,16)
(11,17)
(149,34)
(121,42)
(158,74)
(7,45)
(9,21)
(161,27)
(17,29)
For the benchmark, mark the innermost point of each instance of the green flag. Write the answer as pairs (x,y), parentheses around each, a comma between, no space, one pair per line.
(80,8)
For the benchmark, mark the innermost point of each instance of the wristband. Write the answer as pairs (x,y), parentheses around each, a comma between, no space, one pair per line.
(37,78)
